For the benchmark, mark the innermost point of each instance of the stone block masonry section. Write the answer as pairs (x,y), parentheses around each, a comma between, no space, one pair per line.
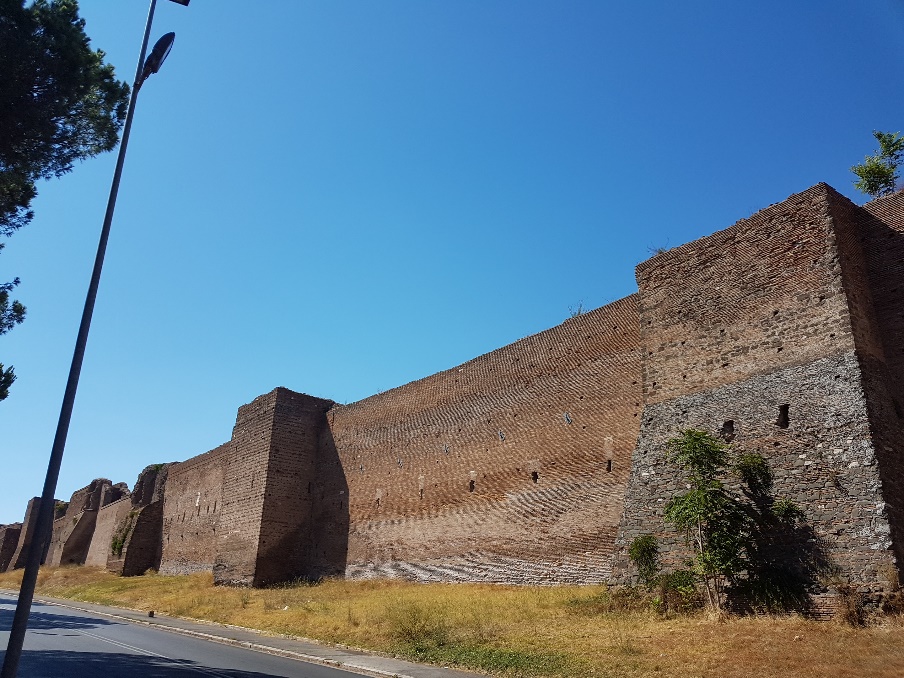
(823,459)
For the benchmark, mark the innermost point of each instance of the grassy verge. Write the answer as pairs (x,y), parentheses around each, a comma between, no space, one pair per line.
(507,631)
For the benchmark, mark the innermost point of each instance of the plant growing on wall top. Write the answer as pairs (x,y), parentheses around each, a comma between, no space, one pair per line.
(877,175)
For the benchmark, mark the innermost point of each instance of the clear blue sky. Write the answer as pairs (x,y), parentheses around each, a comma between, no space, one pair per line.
(341,197)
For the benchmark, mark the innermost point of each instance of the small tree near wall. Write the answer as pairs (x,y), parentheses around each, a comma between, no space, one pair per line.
(735,538)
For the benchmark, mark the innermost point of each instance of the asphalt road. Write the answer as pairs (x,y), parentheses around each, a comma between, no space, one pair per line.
(64,643)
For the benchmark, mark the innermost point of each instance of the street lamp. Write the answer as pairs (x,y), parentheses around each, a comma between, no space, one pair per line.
(44,525)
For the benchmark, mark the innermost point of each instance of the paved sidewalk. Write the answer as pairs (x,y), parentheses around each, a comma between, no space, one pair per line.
(349,659)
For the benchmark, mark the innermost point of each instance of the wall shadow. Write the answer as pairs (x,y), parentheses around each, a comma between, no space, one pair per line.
(327,555)
(883,253)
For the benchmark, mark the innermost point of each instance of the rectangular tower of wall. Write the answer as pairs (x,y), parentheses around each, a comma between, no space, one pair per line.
(265,535)
(756,333)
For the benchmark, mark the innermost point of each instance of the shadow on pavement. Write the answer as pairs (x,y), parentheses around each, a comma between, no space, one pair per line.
(44,621)
(59,664)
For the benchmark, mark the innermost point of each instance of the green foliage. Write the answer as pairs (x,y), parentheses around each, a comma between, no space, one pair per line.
(644,552)
(11,312)
(699,454)
(678,592)
(59,101)
(877,175)
(7,377)
(710,518)
(753,546)
(754,472)
(787,512)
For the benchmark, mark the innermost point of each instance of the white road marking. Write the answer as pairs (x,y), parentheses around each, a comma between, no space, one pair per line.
(181,662)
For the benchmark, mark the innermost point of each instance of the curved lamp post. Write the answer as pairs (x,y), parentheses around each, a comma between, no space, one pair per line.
(44,523)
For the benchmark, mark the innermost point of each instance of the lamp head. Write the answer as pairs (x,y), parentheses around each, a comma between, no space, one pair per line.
(157,56)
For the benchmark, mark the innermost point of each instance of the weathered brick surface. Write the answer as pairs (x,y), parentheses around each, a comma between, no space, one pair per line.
(882,241)
(9,540)
(265,535)
(533,426)
(759,296)
(141,527)
(824,460)
(191,508)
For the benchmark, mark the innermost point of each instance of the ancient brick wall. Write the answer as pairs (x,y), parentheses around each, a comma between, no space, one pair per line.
(752,331)
(139,532)
(108,517)
(268,488)
(284,550)
(191,508)
(508,468)
(9,540)
(73,531)
(533,463)
(29,524)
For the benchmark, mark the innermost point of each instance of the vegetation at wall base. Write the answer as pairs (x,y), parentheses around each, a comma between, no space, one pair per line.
(751,550)
(511,631)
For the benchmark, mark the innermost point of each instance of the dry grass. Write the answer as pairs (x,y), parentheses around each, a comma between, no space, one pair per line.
(556,631)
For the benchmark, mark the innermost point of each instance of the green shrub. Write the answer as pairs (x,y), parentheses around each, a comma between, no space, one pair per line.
(644,553)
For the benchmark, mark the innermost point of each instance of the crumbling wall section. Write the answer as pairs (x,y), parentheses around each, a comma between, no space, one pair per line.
(137,542)
(108,517)
(29,525)
(73,531)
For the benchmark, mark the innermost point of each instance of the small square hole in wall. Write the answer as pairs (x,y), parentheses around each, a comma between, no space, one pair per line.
(783,421)
(728,431)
